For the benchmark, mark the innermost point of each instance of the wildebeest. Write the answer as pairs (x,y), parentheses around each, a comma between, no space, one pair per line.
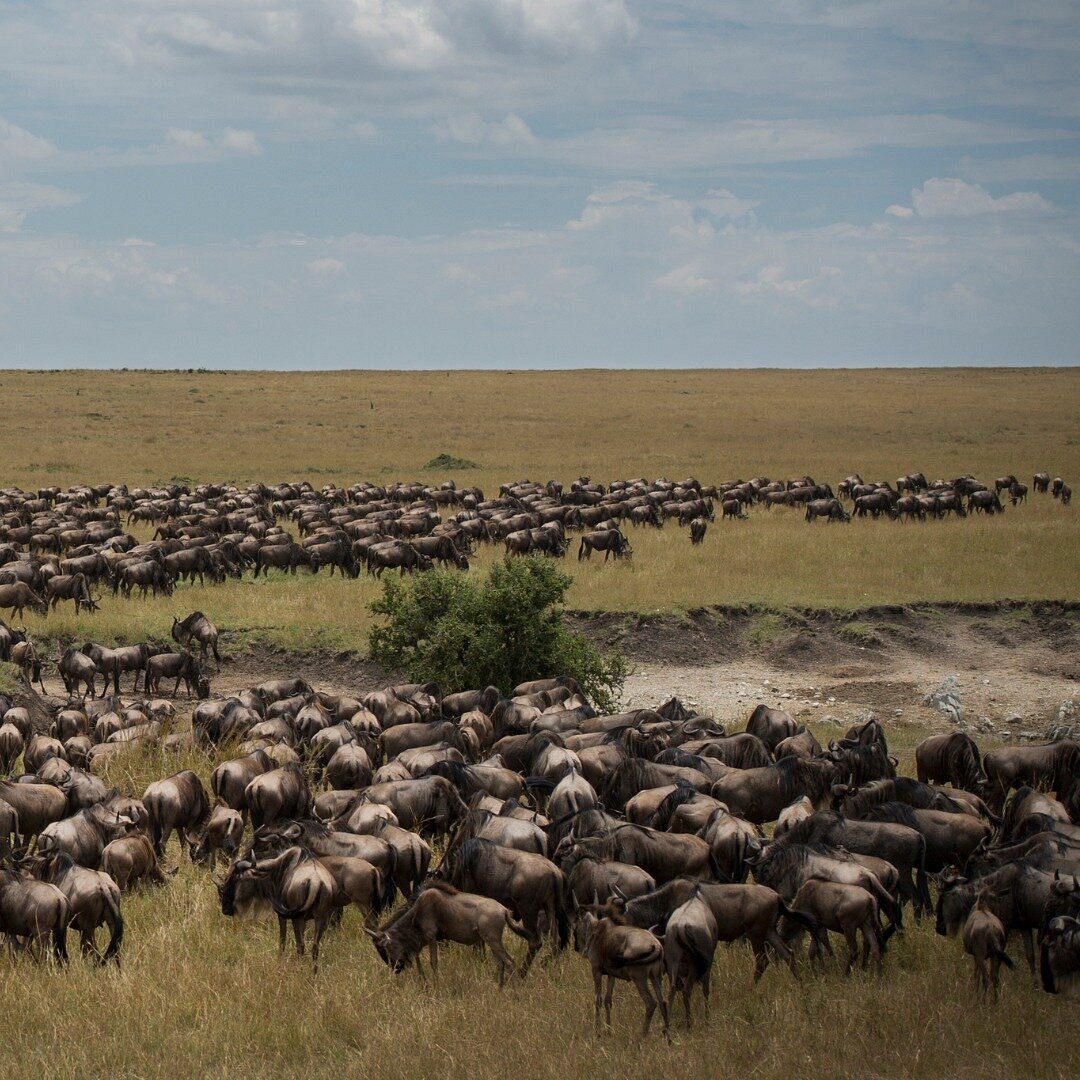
(18,595)
(34,911)
(697,530)
(847,909)
(771,725)
(984,941)
(298,887)
(444,913)
(528,884)
(84,835)
(72,587)
(179,666)
(689,945)
(24,656)
(609,541)
(952,758)
(830,509)
(759,795)
(1055,766)
(93,901)
(177,803)
(623,952)
(277,794)
(198,627)
(1059,964)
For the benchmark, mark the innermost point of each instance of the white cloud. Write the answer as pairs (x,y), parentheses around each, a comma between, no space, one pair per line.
(471,129)
(327,267)
(950,197)
(19,146)
(19,199)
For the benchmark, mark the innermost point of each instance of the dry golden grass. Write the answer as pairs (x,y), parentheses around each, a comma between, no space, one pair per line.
(142,427)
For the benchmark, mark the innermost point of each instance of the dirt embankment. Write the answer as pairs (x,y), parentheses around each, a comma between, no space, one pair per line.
(1017,664)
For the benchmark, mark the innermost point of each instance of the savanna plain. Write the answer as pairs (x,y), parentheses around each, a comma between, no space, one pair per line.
(201,994)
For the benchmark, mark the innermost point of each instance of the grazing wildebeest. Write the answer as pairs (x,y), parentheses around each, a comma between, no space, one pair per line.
(18,595)
(697,529)
(609,541)
(77,668)
(759,795)
(845,909)
(1018,492)
(179,666)
(443,913)
(616,951)
(830,509)
(221,835)
(72,587)
(276,795)
(953,758)
(198,627)
(24,656)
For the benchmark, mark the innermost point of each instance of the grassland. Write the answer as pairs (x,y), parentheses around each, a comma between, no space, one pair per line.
(142,427)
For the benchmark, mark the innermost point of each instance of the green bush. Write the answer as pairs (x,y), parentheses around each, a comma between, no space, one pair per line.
(463,632)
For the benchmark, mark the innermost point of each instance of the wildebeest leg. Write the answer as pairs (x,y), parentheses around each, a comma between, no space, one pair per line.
(176,688)
(320,929)
(761,956)
(706,989)
(1029,951)
(607,999)
(641,982)
(503,959)
(282,931)
(598,994)
(433,957)
(298,934)
(534,948)
(851,935)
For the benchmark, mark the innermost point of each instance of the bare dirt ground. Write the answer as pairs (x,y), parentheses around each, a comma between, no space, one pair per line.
(1017,665)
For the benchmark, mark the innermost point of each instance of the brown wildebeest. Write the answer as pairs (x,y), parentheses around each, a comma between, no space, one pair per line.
(953,758)
(984,941)
(24,656)
(1056,485)
(11,746)
(623,952)
(198,627)
(72,587)
(179,666)
(443,913)
(661,855)
(799,810)
(758,795)
(830,509)
(230,779)
(9,827)
(221,835)
(85,835)
(276,795)
(527,883)
(93,899)
(1041,482)
(1066,494)
(689,946)
(589,878)
(698,528)
(1060,955)
(298,887)
(844,909)
(1055,766)
(771,725)
(1018,492)
(34,911)
(609,541)
(18,595)
(178,802)
(36,804)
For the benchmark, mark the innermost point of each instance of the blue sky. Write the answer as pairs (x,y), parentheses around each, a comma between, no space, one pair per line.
(543,183)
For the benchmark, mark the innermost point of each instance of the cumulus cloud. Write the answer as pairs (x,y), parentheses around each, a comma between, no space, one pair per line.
(19,146)
(950,197)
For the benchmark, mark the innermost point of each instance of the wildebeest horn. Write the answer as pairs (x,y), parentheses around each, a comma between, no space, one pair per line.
(617,893)
(370,933)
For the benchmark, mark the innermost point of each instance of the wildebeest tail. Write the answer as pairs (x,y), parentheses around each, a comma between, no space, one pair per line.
(1003,956)
(717,870)
(562,916)
(921,882)
(518,928)
(116,929)
(1046,971)
(797,916)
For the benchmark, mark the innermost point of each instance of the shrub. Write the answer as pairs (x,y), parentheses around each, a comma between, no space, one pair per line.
(464,631)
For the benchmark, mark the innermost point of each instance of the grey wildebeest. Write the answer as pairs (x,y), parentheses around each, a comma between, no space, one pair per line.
(984,941)
(72,587)
(952,758)
(771,726)
(197,627)
(759,795)
(1055,766)
(616,951)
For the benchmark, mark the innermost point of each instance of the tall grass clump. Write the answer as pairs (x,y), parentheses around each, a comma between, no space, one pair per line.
(498,630)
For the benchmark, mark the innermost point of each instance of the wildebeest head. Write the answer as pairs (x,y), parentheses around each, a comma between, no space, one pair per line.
(392,948)
(227,889)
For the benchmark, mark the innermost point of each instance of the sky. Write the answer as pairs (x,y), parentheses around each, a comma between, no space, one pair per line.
(538,183)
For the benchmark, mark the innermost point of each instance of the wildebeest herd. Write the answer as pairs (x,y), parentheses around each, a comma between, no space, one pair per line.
(630,837)
(63,545)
